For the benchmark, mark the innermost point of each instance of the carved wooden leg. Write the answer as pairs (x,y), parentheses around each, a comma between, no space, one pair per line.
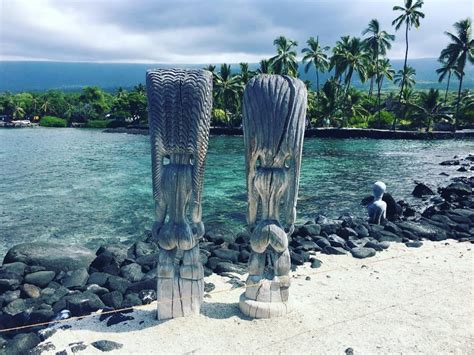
(191,282)
(165,284)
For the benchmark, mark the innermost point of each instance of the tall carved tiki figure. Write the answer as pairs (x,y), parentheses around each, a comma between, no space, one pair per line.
(273,121)
(179,104)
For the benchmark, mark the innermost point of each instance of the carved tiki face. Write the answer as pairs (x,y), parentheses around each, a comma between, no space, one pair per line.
(179,104)
(273,121)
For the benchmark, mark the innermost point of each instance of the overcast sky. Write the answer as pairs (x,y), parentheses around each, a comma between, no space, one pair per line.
(179,31)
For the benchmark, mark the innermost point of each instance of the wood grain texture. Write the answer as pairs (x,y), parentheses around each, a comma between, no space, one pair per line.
(274,112)
(179,104)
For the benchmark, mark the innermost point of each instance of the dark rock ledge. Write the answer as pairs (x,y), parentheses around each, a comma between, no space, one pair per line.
(40,282)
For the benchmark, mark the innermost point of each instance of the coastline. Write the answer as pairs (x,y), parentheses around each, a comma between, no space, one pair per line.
(333,133)
(376,306)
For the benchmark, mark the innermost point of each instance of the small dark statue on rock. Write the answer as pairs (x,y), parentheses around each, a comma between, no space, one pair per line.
(180,103)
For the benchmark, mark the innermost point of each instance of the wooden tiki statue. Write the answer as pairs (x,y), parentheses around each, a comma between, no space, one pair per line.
(179,104)
(274,123)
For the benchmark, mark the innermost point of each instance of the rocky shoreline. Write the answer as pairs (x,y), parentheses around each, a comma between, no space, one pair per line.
(331,133)
(41,282)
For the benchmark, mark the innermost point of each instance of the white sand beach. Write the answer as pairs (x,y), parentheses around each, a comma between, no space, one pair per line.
(403,300)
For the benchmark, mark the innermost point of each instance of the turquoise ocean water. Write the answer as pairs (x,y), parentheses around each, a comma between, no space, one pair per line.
(88,187)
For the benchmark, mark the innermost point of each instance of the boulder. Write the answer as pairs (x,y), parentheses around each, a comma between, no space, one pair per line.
(40,278)
(116,283)
(362,252)
(82,303)
(225,266)
(75,279)
(98,278)
(112,299)
(422,190)
(226,254)
(132,272)
(423,230)
(30,291)
(53,256)
(310,229)
(22,343)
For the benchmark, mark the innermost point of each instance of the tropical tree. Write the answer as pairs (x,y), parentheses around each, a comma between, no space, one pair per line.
(337,61)
(429,108)
(446,69)
(245,73)
(378,42)
(385,70)
(351,58)
(211,68)
(227,87)
(284,62)
(265,67)
(410,16)
(458,52)
(405,77)
(315,55)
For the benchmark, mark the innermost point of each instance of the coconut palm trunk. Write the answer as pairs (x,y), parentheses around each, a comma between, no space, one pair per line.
(447,87)
(458,102)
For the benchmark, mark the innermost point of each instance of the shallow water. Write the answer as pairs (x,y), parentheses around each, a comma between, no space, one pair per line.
(85,186)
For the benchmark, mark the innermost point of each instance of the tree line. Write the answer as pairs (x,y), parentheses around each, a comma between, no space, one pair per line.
(336,102)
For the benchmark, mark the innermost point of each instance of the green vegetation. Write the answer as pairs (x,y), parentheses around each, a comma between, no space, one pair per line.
(51,121)
(333,103)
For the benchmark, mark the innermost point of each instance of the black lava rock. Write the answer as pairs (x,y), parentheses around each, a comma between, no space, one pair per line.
(415,244)
(226,254)
(106,345)
(116,283)
(362,252)
(335,250)
(40,278)
(22,343)
(118,318)
(131,300)
(75,279)
(422,190)
(112,299)
(132,272)
(98,278)
(52,256)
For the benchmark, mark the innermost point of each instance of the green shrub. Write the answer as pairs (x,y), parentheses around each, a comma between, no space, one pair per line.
(51,121)
(96,124)
(358,122)
(386,119)
(219,118)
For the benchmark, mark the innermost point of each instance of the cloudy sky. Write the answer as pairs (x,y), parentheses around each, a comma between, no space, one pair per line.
(206,31)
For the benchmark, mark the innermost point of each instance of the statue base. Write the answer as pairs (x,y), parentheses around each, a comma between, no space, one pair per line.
(178,297)
(265,299)
(257,309)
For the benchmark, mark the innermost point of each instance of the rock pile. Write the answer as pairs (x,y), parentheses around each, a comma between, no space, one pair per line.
(40,280)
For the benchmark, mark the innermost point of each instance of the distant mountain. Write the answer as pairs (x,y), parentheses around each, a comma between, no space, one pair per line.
(39,76)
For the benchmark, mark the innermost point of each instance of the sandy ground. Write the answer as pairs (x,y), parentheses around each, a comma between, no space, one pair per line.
(400,301)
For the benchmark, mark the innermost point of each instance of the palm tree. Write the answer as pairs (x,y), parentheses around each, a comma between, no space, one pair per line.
(352,58)
(284,62)
(429,108)
(385,70)
(245,73)
(211,68)
(337,61)
(411,16)
(445,69)
(406,77)
(314,54)
(227,87)
(378,43)
(460,50)
(265,67)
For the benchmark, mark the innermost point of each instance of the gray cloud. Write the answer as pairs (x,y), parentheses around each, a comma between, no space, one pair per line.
(209,31)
